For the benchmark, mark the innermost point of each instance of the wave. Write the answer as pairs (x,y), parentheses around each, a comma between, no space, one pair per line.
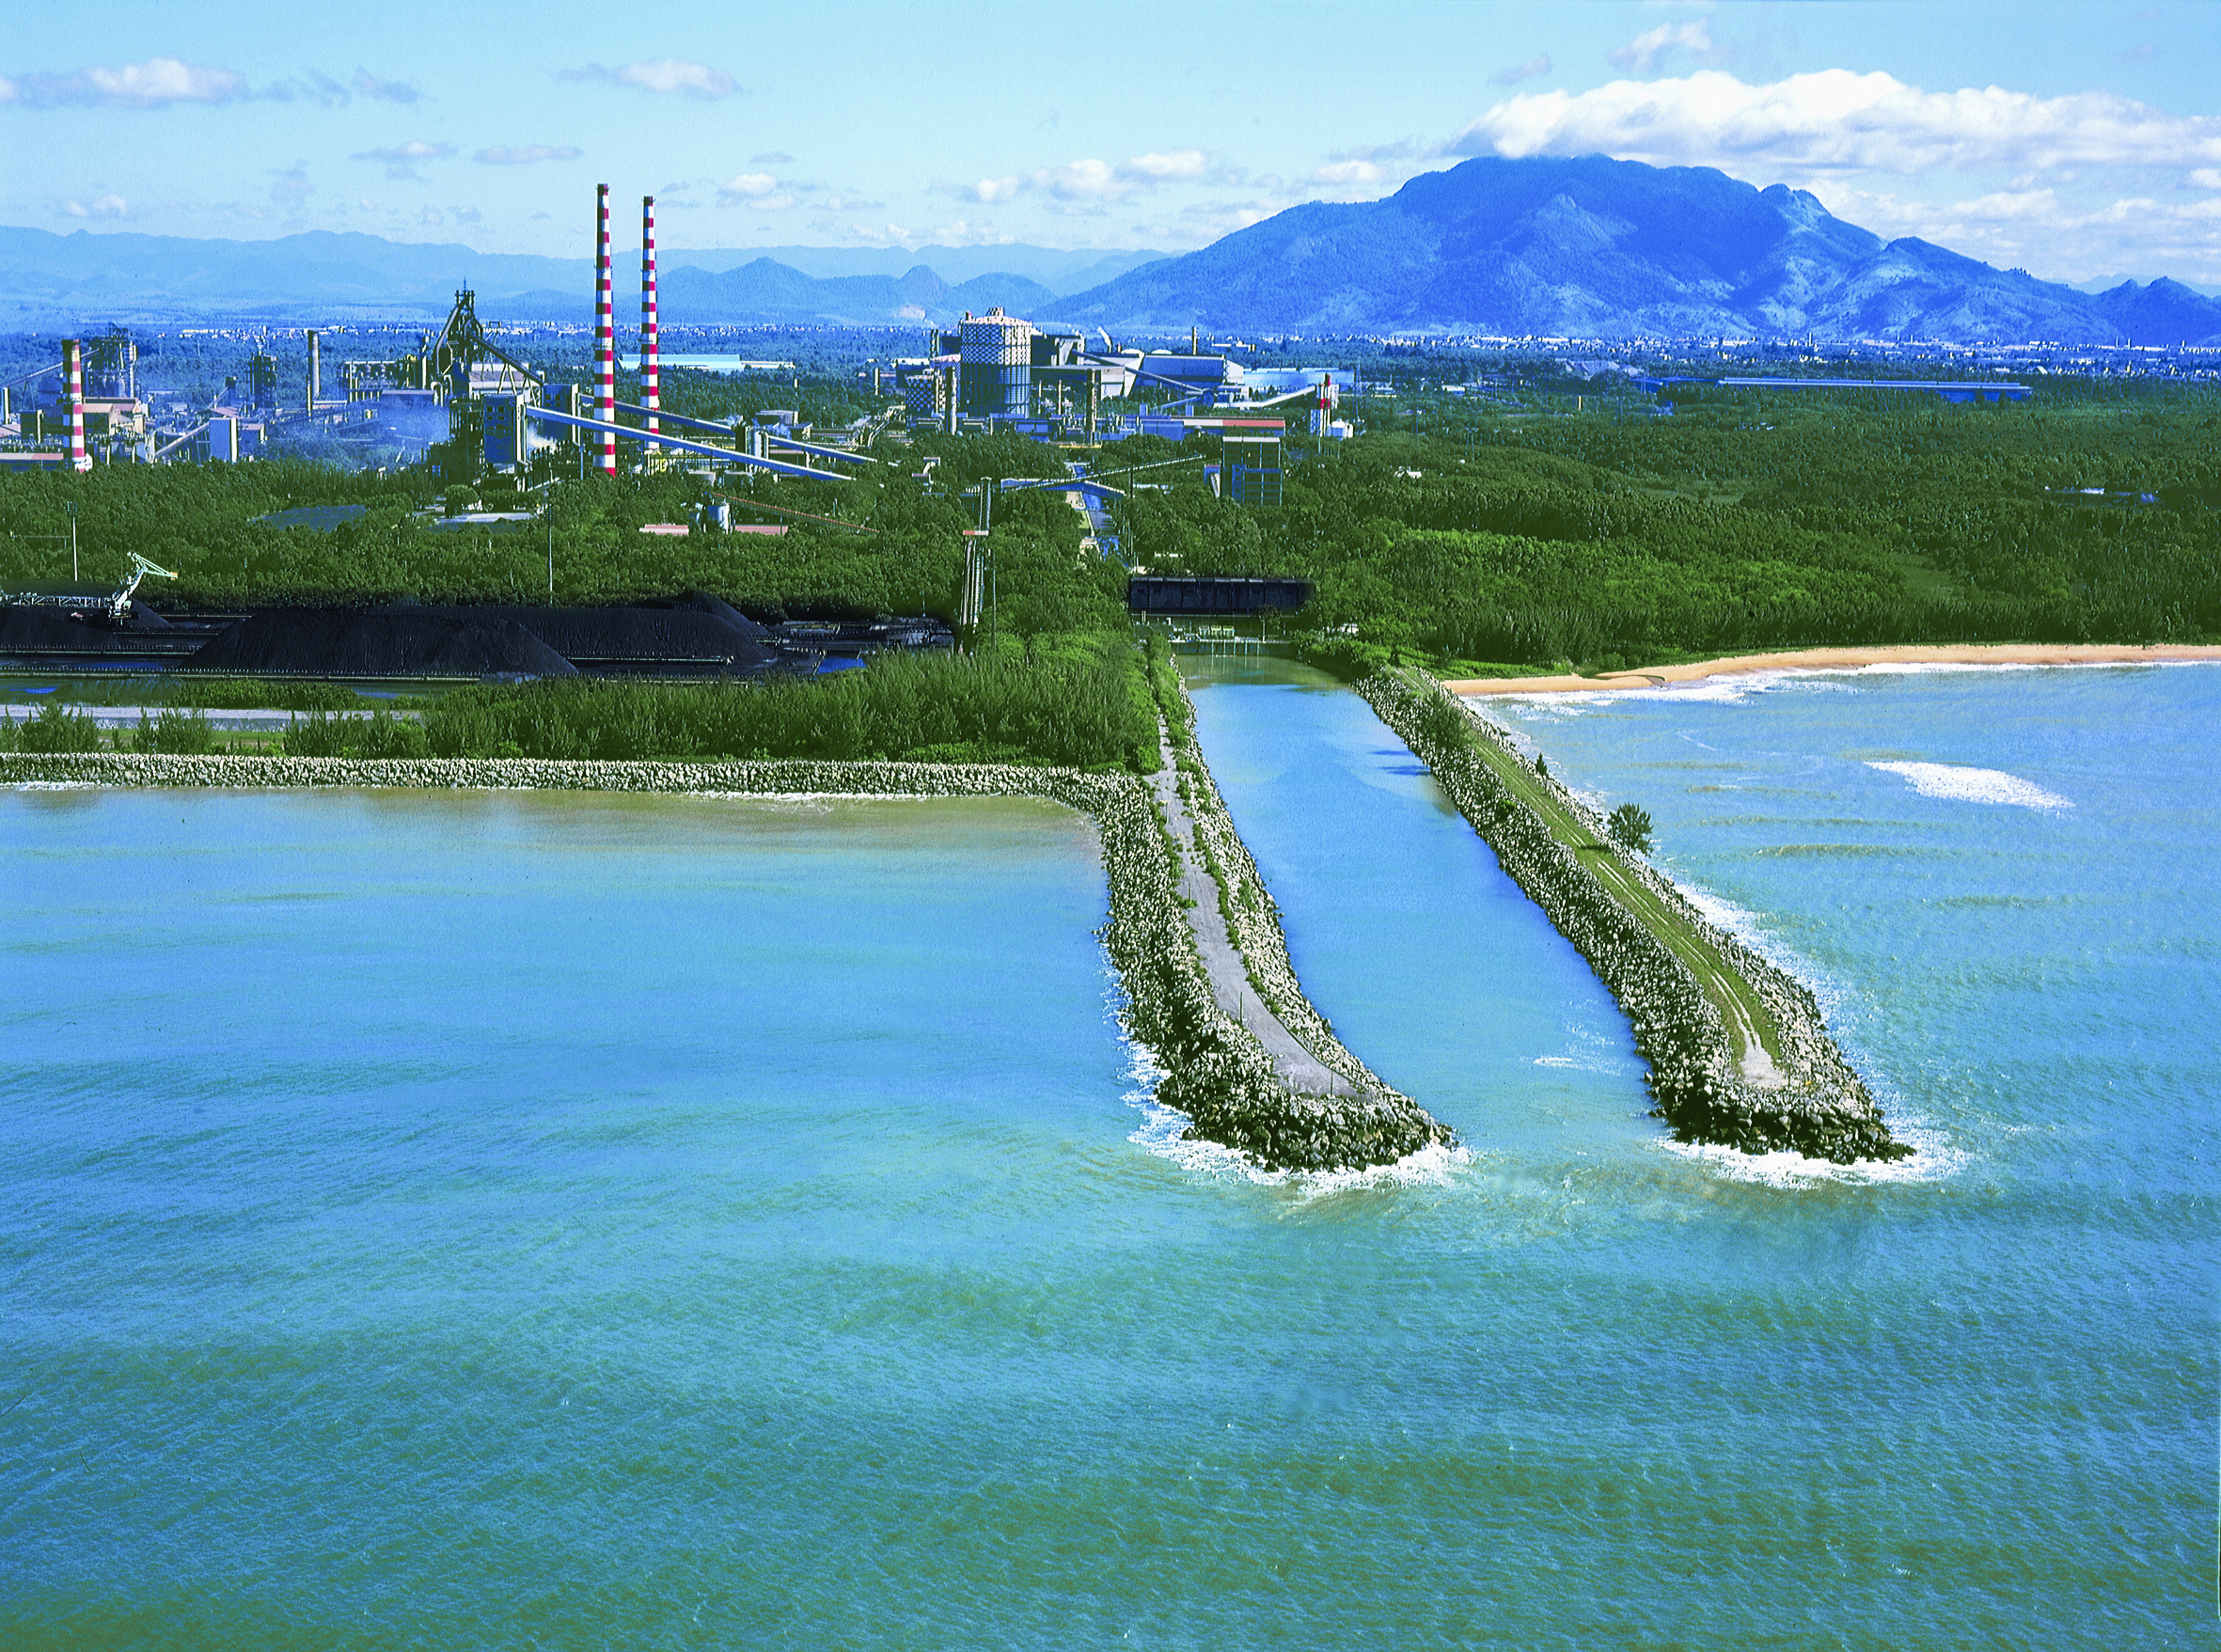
(1974,785)
(1932,1159)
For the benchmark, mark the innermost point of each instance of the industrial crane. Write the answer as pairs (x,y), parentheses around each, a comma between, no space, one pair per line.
(120,605)
(114,609)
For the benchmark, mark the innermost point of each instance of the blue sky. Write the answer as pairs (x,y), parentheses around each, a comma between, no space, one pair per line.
(2074,140)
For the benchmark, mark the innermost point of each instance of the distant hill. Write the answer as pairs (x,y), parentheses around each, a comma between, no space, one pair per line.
(1598,247)
(48,280)
(1591,248)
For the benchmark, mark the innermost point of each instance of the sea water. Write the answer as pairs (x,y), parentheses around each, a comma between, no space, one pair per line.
(512,1221)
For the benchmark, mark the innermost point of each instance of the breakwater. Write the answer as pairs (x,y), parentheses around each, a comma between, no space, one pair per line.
(1736,1050)
(1215,1070)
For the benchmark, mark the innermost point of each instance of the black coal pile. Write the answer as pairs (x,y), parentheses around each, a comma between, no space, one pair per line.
(700,602)
(39,630)
(659,639)
(415,642)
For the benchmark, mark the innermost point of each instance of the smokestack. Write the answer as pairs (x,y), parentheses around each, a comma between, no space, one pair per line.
(74,387)
(315,372)
(605,334)
(648,345)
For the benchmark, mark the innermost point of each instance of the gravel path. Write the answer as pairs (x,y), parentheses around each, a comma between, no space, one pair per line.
(1230,982)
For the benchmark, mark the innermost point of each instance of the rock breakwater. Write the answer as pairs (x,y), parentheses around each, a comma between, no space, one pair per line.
(1709,1082)
(1214,1071)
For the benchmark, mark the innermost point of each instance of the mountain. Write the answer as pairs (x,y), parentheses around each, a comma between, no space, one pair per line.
(47,278)
(337,275)
(1059,271)
(766,291)
(1601,248)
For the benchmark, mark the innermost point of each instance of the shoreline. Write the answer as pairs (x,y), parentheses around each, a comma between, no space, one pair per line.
(1839,659)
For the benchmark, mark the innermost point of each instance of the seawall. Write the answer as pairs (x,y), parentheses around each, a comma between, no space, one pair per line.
(1737,1049)
(1215,1071)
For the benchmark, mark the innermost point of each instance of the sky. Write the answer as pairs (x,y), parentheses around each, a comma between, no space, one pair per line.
(2074,141)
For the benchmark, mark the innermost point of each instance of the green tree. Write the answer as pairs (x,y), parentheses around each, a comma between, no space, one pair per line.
(1630,827)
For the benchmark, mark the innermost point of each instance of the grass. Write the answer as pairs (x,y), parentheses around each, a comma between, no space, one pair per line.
(1739,1003)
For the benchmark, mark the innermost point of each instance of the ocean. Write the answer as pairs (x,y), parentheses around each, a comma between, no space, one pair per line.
(524,1220)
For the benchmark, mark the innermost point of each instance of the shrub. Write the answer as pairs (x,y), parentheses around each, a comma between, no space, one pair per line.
(180,733)
(56,728)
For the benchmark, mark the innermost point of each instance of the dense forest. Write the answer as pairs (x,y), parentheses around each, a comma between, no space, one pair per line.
(1519,531)
(1538,518)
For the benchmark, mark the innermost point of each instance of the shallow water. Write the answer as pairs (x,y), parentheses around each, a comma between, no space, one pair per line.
(509,1220)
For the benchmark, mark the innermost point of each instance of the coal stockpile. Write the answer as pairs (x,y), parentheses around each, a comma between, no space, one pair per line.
(661,640)
(28,632)
(718,608)
(419,642)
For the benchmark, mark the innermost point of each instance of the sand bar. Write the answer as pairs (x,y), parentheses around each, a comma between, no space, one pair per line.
(1839,659)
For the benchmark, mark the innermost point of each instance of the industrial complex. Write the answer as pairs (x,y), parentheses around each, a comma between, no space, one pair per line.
(994,372)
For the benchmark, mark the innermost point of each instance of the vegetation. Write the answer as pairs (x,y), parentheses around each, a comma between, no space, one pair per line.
(1538,521)
(56,727)
(1630,827)
(1085,708)
(1506,535)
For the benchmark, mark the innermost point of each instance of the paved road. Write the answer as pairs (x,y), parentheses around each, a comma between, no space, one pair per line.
(1229,983)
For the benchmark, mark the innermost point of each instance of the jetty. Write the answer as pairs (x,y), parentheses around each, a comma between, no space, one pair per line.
(1738,1051)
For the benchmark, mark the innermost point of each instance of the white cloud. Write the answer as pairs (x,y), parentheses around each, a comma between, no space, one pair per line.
(759,189)
(664,77)
(1083,186)
(401,159)
(1084,181)
(966,232)
(389,91)
(2037,229)
(1349,174)
(1651,47)
(133,85)
(1836,121)
(109,205)
(1164,165)
(1530,69)
(525,155)
(2207,178)
(772,158)
(414,150)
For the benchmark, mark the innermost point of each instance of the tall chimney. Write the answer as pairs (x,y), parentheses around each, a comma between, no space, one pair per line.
(605,335)
(648,346)
(74,387)
(315,372)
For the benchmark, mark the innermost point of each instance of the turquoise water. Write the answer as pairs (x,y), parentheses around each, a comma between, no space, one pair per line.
(512,1221)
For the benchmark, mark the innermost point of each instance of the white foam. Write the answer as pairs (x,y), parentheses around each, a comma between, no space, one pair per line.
(1931,1160)
(1974,785)
(1160,1132)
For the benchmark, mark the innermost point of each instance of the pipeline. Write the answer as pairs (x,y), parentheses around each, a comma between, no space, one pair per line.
(611,432)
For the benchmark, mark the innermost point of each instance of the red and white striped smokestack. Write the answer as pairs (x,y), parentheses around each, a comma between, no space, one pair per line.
(73,388)
(605,334)
(649,387)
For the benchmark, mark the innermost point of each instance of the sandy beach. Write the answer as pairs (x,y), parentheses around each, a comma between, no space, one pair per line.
(1836,659)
